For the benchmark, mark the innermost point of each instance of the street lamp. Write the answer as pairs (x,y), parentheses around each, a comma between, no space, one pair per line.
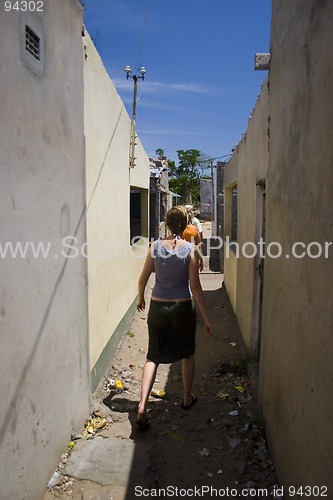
(128,72)
(135,78)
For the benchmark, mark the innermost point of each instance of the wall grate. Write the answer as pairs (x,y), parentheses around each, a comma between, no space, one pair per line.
(32,43)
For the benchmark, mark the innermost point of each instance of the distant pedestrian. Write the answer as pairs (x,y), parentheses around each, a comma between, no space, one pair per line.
(194,220)
(172,315)
(191,233)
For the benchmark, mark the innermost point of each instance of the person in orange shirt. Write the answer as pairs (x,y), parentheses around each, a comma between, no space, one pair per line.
(191,233)
(194,220)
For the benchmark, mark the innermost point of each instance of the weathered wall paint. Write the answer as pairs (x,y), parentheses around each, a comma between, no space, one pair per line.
(247,166)
(113,264)
(296,357)
(297,313)
(44,371)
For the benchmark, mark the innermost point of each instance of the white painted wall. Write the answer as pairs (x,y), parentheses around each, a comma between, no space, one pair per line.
(112,275)
(44,370)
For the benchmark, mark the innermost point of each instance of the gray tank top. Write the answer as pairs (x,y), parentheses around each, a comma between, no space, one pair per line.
(171,272)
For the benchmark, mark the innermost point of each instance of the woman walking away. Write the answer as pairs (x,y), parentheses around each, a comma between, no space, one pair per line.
(172,315)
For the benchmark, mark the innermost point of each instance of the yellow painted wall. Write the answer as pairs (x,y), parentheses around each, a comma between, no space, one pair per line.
(247,166)
(113,264)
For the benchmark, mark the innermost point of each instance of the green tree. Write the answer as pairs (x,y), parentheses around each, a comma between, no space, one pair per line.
(185,179)
(160,152)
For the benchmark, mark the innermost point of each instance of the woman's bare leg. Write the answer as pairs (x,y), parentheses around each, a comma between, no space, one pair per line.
(188,369)
(148,379)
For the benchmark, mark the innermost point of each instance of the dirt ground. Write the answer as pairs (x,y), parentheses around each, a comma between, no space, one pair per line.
(219,443)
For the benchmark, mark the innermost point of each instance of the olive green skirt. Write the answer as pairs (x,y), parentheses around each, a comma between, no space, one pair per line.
(171,328)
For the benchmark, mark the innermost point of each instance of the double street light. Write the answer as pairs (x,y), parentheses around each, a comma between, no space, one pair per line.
(135,79)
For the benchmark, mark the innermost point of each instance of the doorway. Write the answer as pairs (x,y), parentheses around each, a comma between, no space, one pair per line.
(258,270)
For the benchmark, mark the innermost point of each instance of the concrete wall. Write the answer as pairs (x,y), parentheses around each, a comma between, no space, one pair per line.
(247,167)
(206,199)
(44,371)
(297,306)
(296,368)
(113,264)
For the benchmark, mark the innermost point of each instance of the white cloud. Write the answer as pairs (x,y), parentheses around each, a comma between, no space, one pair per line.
(166,132)
(161,87)
(177,87)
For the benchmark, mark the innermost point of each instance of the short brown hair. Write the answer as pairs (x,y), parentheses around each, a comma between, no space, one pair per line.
(176,219)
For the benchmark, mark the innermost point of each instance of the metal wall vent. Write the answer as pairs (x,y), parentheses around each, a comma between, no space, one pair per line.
(32,43)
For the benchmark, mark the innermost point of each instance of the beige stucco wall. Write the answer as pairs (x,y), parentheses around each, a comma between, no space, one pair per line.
(113,275)
(297,309)
(297,360)
(230,270)
(247,167)
(44,372)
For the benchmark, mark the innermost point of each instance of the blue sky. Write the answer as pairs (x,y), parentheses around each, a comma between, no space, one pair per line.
(200,86)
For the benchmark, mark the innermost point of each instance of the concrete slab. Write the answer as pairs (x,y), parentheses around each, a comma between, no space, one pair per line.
(108,461)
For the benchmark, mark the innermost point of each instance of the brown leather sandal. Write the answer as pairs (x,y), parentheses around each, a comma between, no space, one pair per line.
(188,407)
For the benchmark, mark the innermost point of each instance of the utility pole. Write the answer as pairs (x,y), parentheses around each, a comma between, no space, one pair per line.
(132,144)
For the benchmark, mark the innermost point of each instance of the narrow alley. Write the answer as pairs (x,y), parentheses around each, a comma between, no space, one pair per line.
(219,443)
(93,154)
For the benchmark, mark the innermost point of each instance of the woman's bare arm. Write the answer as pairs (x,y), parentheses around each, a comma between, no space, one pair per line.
(197,292)
(148,268)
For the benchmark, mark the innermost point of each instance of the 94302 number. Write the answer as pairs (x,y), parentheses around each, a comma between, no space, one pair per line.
(308,491)
(24,6)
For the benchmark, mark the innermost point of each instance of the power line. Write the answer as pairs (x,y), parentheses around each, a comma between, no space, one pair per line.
(142,32)
(116,71)
(215,158)
(210,160)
